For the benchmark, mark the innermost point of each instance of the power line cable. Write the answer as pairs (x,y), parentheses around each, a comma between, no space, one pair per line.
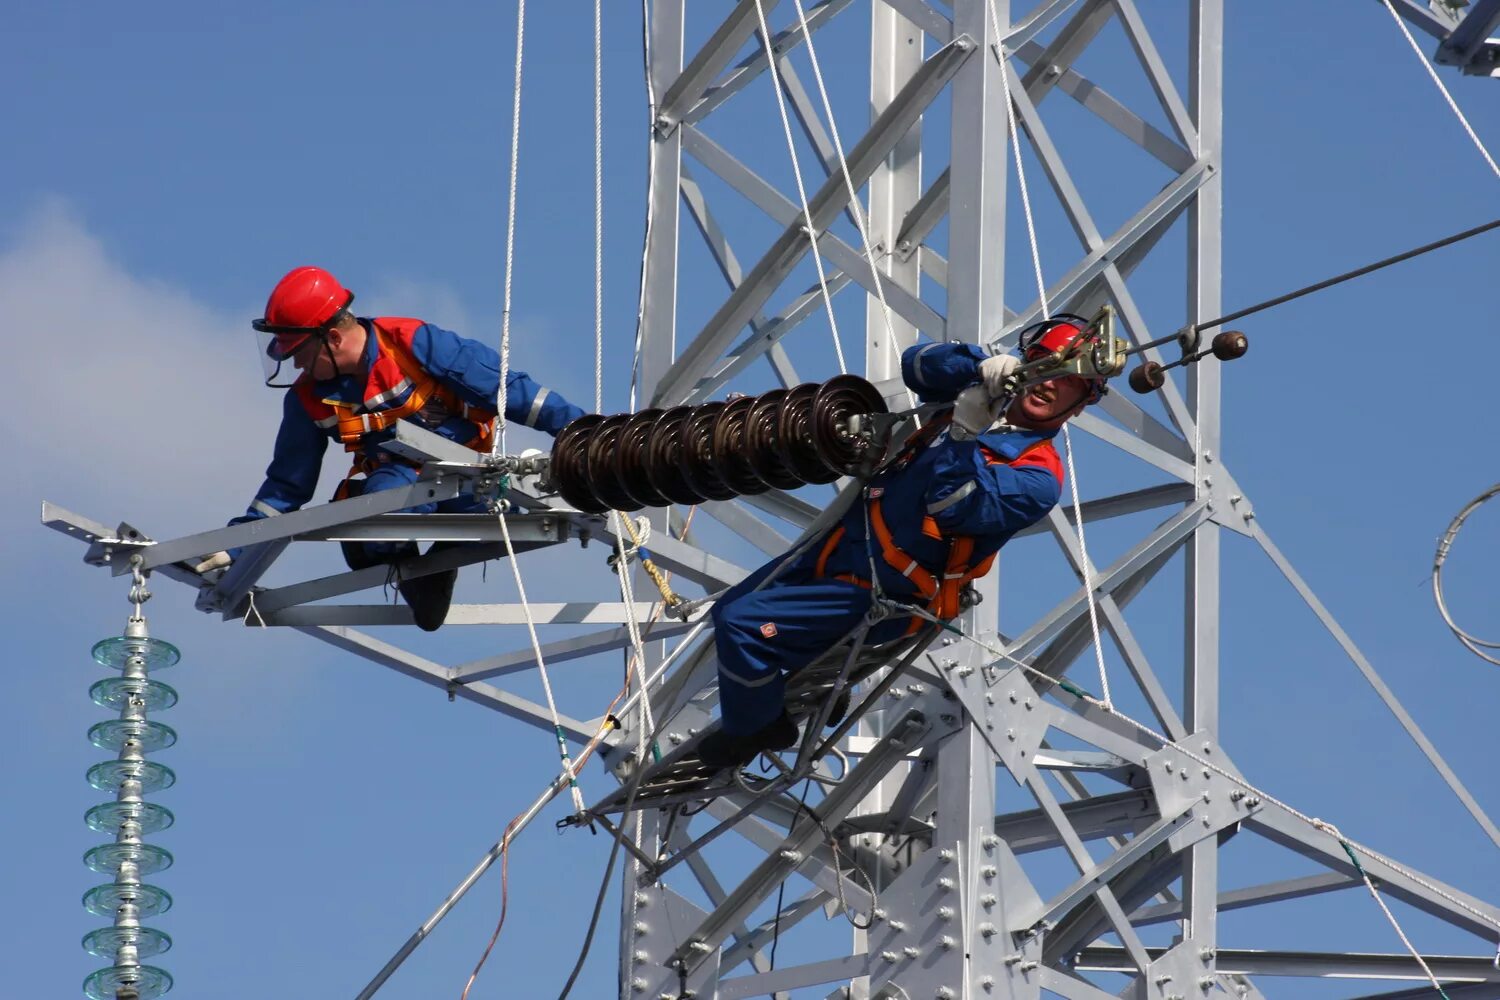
(1349,275)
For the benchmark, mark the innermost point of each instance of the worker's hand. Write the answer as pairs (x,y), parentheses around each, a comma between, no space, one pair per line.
(212,567)
(996,373)
(973,413)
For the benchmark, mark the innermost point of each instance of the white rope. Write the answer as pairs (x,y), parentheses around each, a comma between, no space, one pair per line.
(598,208)
(1473,136)
(1333,831)
(1041,290)
(854,203)
(1015,145)
(541,665)
(497,445)
(640,308)
(1086,565)
(791,146)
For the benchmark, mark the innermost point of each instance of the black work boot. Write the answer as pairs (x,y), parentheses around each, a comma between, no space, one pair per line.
(429,596)
(721,749)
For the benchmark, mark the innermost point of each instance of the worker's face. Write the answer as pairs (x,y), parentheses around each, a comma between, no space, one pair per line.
(1047,405)
(328,355)
(312,356)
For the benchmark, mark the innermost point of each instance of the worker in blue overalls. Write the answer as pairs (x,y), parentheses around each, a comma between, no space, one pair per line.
(353,378)
(936,516)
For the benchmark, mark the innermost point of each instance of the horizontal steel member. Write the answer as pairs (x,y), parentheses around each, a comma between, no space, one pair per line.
(791,978)
(1092,818)
(562,650)
(544,613)
(297,522)
(1319,964)
(444,528)
(1255,895)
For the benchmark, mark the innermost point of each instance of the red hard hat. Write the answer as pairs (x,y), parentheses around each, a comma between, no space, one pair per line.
(1054,338)
(302,303)
(1051,336)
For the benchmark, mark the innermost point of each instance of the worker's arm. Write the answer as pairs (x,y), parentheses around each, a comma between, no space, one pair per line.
(971,492)
(472,370)
(292,476)
(937,373)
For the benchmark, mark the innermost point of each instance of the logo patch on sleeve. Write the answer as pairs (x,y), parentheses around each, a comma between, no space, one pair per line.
(768,630)
(877,492)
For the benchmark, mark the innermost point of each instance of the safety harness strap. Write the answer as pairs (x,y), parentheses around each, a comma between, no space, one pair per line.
(353,422)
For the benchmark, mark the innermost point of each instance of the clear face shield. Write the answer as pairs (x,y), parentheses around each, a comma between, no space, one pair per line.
(280,349)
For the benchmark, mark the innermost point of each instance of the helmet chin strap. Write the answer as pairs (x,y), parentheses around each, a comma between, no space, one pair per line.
(332,358)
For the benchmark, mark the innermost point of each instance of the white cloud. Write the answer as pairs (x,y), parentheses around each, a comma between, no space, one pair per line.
(138,401)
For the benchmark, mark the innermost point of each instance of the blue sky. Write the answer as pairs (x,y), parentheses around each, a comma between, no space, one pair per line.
(167,164)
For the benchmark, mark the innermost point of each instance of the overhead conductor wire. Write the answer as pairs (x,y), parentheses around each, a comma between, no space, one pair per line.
(791,146)
(1041,287)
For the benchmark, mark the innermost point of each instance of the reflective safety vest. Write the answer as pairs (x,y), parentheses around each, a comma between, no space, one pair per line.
(395,372)
(944,595)
(942,592)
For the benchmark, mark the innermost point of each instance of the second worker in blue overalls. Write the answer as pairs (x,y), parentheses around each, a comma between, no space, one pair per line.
(937,515)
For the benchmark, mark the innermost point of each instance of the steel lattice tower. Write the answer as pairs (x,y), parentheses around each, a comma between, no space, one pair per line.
(914,842)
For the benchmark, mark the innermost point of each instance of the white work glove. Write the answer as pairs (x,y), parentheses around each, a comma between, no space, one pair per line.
(212,567)
(996,373)
(973,413)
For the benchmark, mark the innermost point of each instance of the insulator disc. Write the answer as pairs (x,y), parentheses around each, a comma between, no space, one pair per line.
(147,981)
(148,858)
(698,466)
(108,775)
(1229,345)
(600,464)
(569,464)
(116,651)
(795,431)
(145,736)
(106,817)
(763,442)
(730,459)
(664,458)
(104,900)
(106,941)
(114,693)
(630,460)
(837,400)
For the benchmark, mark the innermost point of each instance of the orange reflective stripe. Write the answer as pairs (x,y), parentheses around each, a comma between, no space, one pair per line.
(943,596)
(828,547)
(898,560)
